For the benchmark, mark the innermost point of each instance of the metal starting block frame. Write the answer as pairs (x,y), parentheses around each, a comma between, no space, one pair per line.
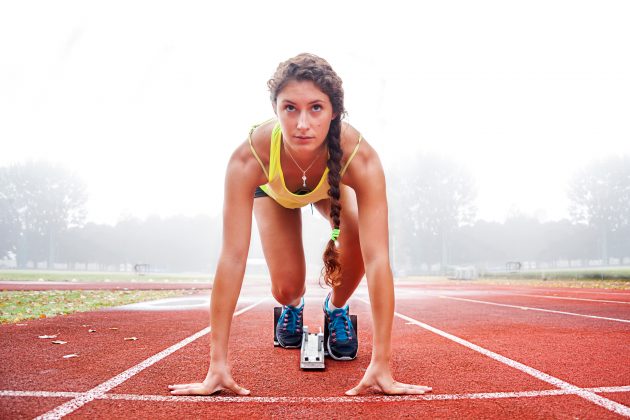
(312,351)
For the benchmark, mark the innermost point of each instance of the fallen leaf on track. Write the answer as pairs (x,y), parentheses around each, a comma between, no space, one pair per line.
(91,330)
(68,356)
(131,338)
(48,336)
(59,342)
(113,328)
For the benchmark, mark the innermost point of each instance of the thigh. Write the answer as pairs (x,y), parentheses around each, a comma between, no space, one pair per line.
(281,236)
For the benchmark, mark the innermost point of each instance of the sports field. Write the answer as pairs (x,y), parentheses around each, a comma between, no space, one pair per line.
(489,350)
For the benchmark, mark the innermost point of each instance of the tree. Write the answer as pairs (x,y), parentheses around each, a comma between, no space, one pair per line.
(8,232)
(600,197)
(38,201)
(432,195)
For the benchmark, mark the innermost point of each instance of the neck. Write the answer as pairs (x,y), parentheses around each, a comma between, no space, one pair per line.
(305,158)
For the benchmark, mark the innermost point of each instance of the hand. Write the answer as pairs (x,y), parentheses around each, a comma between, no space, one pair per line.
(217,380)
(379,376)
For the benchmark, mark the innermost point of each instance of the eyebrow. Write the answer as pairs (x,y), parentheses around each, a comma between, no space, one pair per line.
(310,103)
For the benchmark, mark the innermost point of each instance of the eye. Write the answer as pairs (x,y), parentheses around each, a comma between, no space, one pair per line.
(317,107)
(289,108)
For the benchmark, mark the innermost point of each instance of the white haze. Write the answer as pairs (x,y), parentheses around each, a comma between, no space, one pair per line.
(147,100)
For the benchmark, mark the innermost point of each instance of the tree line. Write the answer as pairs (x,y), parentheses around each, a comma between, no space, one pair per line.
(432,222)
(432,219)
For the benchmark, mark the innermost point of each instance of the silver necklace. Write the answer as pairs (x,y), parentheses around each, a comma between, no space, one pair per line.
(298,165)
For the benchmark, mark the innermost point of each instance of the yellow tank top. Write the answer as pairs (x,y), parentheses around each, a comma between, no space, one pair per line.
(277,189)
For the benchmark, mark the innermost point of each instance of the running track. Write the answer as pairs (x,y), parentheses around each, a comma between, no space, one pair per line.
(487,351)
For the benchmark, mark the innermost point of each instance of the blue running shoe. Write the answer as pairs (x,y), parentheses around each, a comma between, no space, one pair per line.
(342,341)
(289,327)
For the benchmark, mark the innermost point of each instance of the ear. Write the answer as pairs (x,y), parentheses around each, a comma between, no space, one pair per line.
(273,106)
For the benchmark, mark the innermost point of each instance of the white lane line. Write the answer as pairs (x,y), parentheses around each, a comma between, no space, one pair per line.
(98,391)
(559,383)
(572,290)
(333,400)
(528,308)
(572,298)
(39,394)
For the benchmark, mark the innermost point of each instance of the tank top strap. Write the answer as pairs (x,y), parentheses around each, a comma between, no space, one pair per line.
(354,152)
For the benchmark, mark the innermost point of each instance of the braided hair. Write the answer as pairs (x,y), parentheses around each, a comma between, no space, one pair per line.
(309,67)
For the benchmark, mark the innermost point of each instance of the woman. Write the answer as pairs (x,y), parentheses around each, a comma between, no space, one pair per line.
(325,163)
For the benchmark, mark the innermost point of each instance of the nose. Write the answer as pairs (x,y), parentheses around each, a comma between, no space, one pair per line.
(302,123)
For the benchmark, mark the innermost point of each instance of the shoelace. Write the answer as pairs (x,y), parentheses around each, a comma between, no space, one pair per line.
(339,327)
(291,318)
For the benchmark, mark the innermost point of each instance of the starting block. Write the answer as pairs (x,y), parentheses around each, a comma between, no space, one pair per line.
(312,352)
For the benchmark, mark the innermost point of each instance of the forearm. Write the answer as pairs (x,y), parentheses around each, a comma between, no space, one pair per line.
(381,288)
(225,292)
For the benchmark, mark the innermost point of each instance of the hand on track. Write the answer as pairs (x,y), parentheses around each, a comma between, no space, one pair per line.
(214,382)
(379,377)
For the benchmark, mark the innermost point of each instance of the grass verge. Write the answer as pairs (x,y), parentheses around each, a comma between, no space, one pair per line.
(16,306)
(555,282)
(72,276)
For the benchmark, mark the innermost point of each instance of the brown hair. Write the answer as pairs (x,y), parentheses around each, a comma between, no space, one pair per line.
(317,70)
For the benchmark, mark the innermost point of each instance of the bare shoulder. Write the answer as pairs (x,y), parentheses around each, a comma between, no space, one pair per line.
(244,165)
(365,164)
(261,139)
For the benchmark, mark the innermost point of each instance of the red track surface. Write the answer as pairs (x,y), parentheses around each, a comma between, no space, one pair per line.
(580,351)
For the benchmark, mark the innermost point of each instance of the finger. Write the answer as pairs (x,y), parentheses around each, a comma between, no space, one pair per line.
(357,389)
(411,386)
(192,391)
(182,386)
(233,386)
(399,390)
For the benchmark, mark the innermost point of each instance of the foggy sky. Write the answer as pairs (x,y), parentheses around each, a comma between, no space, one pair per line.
(146,101)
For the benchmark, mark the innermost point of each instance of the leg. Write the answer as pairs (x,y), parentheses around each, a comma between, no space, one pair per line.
(281,236)
(350,257)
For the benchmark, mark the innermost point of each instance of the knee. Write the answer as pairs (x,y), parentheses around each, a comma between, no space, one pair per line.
(287,292)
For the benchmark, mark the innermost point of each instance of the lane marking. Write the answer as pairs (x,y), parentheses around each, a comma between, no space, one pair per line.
(572,290)
(528,308)
(572,298)
(330,400)
(94,393)
(559,383)
(39,394)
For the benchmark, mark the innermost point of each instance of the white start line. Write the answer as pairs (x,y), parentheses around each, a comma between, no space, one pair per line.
(558,383)
(323,400)
(100,390)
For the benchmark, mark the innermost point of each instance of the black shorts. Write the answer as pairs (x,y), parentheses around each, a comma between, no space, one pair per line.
(259,193)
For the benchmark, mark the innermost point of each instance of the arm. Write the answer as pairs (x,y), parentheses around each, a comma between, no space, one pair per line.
(368,181)
(241,178)
(374,234)
(237,224)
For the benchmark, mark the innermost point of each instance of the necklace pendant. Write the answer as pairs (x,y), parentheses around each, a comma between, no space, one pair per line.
(304,180)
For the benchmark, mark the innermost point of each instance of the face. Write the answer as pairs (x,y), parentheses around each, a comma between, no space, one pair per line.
(305,113)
